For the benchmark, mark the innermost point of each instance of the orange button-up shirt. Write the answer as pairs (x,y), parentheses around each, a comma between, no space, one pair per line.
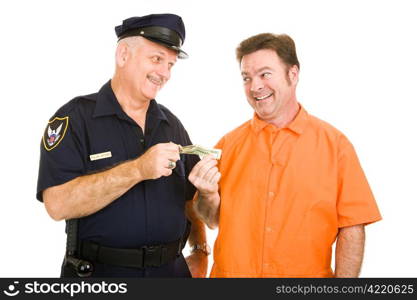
(284,195)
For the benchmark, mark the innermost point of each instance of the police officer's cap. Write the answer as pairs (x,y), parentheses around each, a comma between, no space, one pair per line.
(165,29)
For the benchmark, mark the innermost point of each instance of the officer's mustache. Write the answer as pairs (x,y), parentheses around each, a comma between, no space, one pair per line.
(158,80)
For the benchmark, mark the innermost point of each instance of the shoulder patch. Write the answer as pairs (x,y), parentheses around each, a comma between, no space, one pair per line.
(55,132)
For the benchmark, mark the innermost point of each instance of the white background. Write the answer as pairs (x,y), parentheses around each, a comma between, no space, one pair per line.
(358,65)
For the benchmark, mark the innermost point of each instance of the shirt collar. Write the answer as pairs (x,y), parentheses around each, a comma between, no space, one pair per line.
(107,104)
(297,125)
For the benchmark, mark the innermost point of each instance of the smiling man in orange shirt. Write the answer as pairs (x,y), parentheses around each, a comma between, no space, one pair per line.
(291,183)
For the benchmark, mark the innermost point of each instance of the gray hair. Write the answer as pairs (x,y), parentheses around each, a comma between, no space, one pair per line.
(133,42)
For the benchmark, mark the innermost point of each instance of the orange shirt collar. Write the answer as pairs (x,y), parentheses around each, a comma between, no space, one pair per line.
(297,125)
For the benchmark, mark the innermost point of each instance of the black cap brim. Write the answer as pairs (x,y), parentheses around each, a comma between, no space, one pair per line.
(161,35)
(181,54)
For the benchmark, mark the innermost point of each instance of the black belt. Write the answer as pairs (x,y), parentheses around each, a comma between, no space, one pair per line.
(144,257)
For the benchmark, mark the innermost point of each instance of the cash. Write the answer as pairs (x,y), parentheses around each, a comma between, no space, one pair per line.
(200,151)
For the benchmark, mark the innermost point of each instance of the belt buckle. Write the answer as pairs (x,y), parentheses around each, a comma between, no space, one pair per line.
(152,256)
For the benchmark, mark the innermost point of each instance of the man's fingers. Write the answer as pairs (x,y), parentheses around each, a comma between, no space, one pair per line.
(205,165)
(166,172)
(196,169)
(168,147)
(201,168)
(172,156)
(173,147)
(210,174)
(165,152)
(216,177)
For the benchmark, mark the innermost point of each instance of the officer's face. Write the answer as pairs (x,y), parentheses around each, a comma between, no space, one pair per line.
(269,85)
(149,68)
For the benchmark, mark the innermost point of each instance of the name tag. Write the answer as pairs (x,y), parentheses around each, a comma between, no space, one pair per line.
(100,155)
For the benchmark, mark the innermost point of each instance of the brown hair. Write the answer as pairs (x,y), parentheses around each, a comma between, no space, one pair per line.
(282,44)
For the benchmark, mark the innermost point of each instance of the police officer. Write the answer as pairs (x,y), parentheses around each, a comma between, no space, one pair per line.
(111,161)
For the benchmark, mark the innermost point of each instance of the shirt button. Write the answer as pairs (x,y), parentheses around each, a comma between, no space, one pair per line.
(142,141)
(271,194)
(268,229)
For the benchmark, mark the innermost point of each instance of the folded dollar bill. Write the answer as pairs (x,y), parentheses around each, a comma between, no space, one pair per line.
(200,151)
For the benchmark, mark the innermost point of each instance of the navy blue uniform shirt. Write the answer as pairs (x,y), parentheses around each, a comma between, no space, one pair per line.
(92,133)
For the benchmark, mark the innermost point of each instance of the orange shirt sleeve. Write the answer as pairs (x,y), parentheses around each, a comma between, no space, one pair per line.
(355,202)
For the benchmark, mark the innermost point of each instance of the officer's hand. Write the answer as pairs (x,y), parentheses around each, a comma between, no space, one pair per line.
(205,176)
(155,162)
(197,262)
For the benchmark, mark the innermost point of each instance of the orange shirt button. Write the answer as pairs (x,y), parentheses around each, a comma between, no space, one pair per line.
(268,229)
(271,194)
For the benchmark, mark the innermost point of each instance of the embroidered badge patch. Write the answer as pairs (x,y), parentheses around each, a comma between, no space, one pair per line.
(55,132)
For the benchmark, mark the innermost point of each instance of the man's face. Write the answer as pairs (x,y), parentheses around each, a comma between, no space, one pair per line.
(268,86)
(148,68)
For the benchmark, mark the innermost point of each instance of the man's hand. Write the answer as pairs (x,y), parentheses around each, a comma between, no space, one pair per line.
(205,176)
(197,262)
(155,162)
